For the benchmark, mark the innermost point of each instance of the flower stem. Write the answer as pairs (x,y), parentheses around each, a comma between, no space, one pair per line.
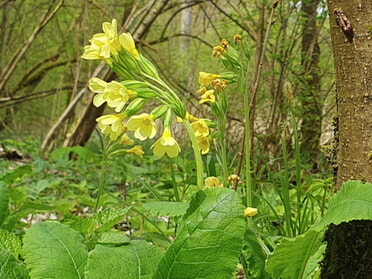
(198,158)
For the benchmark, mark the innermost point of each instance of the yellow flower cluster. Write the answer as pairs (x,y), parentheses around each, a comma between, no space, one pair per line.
(141,82)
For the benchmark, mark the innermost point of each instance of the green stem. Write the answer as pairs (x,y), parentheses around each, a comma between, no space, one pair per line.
(102,179)
(198,158)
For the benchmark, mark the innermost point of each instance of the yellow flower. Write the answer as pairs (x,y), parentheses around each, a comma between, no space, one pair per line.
(211,182)
(127,42)
(208,96)
(219,84)
(250,211)
(136,150)
(224,44)
(103,44)
(143,126)
(126,140)
(204,144)
(217,51)
(111,125)
(166,144)
(205,79)
(117,95)
(237,39)
(200,128)
(202,90)
(98,86)
(233,178)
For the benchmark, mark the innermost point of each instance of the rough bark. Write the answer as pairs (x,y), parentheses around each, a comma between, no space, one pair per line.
(352,49)
(310,94)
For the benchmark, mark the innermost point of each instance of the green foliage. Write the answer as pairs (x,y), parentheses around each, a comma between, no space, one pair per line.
(209,239)
(353,202)
(10,268)
(52,249)
(11,243)
(138,259)
(254,257)
(171,209)
(293,258)
(4,201)
(298,257)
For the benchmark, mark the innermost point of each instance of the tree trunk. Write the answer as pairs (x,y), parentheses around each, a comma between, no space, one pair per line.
(311,99)
(352,47)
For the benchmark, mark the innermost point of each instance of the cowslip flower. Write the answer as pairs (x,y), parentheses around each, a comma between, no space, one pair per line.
(126,140)
(143,126)
(117,95)
(127,42)
(205,79)
(203,143)
(136,150)
(166,144)
(250,211)
(111,125)
(103,44)
(98,86)
(208,96)
(211,182)
(200,128)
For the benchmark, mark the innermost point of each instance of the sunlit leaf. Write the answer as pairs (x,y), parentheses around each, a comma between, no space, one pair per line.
(54,250)
(353,202)
(209,240)
(293,258)
(137,260)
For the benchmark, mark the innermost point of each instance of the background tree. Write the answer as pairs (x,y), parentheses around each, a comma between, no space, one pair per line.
(349,253)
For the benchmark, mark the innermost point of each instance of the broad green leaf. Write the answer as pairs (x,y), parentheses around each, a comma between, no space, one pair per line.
(4,202)
(137,260)
(99,222)
(171,209)
(209,240)
(293,258)
(254,256)
(64,153)
(16,174)
(114,238)
(10,242)
(352,202)
(10,268)
(52,250)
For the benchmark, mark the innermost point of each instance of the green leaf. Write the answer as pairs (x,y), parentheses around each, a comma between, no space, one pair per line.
(209,240)
(293,258)
(115,238)
(4,202)
(10,242)
(254,256)
(64,153)
(171,209)
(16,174)
(352,202)
(138,260)
(10,268)
(99,222)
(52,250)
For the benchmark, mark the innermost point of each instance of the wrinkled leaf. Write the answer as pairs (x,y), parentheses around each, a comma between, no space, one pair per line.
(254,256)
(209,240)
(10,242)
(52,250)
(171,209)
(10,268)
(4,202)
(137,260)
(293,258)
(353,202)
